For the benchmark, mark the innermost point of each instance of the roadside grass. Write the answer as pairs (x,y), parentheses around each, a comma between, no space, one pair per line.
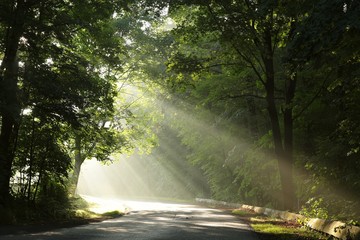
(77,214)
(268,228)
(113,214)
(81,211)
(89,215)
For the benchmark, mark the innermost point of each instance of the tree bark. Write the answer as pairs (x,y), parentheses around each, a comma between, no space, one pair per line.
(10,109)
(283,151)
(31,159)
(79,159)
(288,140)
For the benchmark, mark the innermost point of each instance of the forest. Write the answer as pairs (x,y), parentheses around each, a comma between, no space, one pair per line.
(248,101)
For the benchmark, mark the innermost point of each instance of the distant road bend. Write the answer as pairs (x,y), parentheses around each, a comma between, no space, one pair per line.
(158,221)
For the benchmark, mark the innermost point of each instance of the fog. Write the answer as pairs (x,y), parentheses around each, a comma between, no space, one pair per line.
(140,178)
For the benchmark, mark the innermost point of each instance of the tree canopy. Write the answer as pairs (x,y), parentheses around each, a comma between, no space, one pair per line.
(261,97)
(264,84)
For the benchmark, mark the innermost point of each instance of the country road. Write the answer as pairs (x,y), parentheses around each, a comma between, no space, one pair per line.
(154,221)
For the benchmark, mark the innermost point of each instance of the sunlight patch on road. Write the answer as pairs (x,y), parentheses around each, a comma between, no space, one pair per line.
(113,229)
(102,205)
(50,233)
(222,224)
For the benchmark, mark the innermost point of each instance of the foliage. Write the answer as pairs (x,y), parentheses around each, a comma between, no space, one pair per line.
(242,213)
(215,95)
(270,231)
(216,72)
(59,103)
(164,173)
(113,214)
(314,209)
(272,228)
(255,94)
(268,228)
(53,201)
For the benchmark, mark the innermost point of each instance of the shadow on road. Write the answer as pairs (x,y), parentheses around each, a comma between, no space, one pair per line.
(154,221)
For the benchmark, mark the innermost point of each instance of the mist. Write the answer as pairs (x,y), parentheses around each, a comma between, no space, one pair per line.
(141,177)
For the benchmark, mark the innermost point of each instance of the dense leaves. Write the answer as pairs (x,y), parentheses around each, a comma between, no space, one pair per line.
(260,82)
(261,96)
(60,63)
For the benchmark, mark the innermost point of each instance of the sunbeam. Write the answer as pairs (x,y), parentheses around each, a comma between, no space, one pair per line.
(134,177)
(119,179)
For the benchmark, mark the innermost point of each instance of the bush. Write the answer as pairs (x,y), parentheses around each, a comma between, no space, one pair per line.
(53,201)
(7,215)
(314,208)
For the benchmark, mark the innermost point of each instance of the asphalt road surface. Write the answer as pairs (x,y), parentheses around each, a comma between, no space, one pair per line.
(157,221)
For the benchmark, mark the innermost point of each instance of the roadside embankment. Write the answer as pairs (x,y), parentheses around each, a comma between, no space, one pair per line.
(334,228)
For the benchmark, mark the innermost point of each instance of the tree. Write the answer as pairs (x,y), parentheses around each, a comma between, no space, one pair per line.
(268,45)
(14,21)
(41,155)
(326,42)
(44,53)
(254,34)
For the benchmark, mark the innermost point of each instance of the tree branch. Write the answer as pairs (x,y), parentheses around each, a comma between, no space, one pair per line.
(240,96)
(314,97)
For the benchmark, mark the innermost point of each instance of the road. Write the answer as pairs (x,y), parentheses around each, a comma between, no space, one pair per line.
(158,221)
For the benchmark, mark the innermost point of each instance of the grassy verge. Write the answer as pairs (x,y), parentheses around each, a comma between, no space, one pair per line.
(89,215)
(81,217)
(268,228)
(36,221)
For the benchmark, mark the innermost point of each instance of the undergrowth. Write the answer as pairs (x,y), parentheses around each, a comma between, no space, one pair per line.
(52,210)
(268,228)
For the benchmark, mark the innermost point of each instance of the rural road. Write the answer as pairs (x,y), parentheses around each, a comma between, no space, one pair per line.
(158,221)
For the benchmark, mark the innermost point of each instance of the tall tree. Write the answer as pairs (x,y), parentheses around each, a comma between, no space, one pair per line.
(44,46)
(255,34)
(14,21)
(278,42)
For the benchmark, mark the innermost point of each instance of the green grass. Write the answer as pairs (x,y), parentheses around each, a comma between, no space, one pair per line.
(113,214)
(268,228)
(86,214)
(269,231)
(243,213)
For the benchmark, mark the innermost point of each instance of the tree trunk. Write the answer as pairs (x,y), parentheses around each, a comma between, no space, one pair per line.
(31,159)
(282,152)
(252,120)
(79,159)
(10,109)
(288,141)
